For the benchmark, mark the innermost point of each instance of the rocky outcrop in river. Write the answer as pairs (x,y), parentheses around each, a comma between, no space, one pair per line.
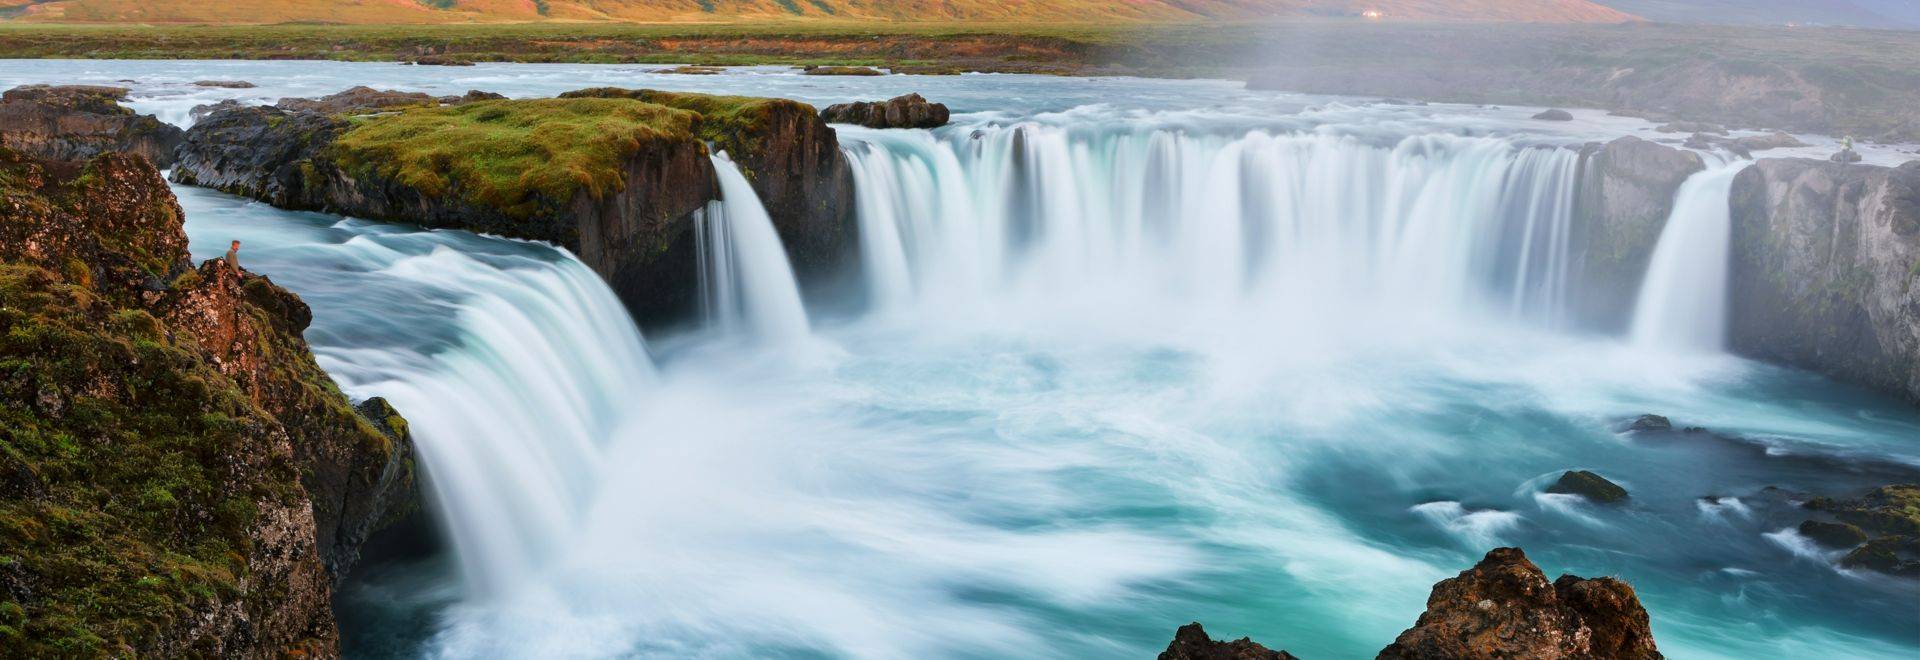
(1626,192)
(1504,607)
(179,477)
(613,175)
(1826,270)
(909,111)
(77,122)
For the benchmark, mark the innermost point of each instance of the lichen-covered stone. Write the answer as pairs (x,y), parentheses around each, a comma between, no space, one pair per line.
(1192,643)
(1505,608)
(179,478)
(1831,534)
(1826,270)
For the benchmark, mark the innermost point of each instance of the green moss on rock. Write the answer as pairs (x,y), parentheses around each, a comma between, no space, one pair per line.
(512,155)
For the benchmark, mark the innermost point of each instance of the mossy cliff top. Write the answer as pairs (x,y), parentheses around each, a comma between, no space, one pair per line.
(736,124)
(513,155)
(176,475)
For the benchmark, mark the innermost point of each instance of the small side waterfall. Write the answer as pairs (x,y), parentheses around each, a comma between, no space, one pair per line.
(746,282)
(1683,300)
(512,417)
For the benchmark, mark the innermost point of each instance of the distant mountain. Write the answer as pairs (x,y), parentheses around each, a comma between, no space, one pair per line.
(1885,14)
(686,11)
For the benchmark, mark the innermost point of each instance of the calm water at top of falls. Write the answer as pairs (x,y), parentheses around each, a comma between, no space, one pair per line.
(1069,444)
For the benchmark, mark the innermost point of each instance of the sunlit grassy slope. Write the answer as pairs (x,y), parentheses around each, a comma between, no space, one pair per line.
(461,11)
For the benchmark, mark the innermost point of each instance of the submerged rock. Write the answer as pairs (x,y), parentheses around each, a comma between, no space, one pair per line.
(909,111)
(1651,423)
(1588,485)
(78,122)
(1826,260)
(1554,115)
(1505,608)
(1192,643)
(228,84)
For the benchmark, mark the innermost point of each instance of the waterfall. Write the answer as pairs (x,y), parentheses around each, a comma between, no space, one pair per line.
(1683,300)
(510,416)
(1433,224)
(746,282)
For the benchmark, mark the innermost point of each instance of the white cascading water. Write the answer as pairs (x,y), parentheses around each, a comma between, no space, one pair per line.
(746,282)
(1683,300)
(1049,213)
(510,421)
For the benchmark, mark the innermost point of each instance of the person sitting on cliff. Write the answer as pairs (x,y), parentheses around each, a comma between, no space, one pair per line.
(233,255)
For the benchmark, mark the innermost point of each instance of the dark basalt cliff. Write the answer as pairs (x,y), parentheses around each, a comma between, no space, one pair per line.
(1826,269)
(77,122)
(1504,607)
(613,175)
(1626,192)
(177,476)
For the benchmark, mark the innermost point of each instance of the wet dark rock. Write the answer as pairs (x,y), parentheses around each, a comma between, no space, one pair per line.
(1885,511)
(359,99)
(1825,262)
(909,111)
(1625,195)
(1833,535)
(1504,607)
(1192,643)
(1650,423)
(1892,555)
(814,70)
(226,84)
(1555,115)
(1589,485)
(78,122)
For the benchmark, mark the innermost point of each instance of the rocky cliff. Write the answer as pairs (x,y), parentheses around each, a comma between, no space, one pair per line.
(1826,270)
(1503,607)
(77,122)
(1626,192)
(177,477)
(613,175)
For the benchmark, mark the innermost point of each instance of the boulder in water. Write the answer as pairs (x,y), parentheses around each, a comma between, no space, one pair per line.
(78,122)
(1588,485)
(1650,423)
(1555,115)
(1692,127)
(909,111)
(1892,555)
(1192,643)
(1831,534)
(227,84)
(692,70)
(1846,156)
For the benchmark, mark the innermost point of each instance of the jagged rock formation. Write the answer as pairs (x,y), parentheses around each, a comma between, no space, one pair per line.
(1627,189)
(1505,608)
(909,111)
(1192,643)
(177,476)
(1826,270)
(77,122)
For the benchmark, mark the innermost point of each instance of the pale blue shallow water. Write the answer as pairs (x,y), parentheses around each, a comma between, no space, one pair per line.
(1073,476)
